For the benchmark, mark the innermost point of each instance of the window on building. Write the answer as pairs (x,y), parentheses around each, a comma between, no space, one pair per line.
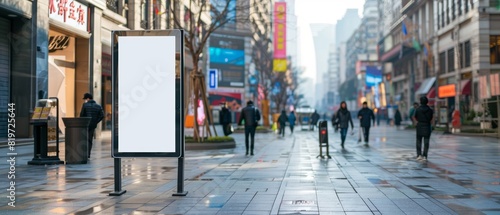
(442,62)
(439,20)
(451,60)
(448,11)
(443,16)
(466,6)
(459,9)
(125,11)
(467,54)
(495,49)
(461,55)
(144,14)
(112,5)
(453,6)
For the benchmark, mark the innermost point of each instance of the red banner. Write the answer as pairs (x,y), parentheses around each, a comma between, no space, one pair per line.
(280,30)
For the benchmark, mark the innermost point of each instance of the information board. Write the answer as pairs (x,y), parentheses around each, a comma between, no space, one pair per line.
(147,94)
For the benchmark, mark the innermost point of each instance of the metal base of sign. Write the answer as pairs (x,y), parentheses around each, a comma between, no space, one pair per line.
(117,193)
(45,161)
(180,194)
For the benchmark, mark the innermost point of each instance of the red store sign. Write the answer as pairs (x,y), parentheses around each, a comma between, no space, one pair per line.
(70,12)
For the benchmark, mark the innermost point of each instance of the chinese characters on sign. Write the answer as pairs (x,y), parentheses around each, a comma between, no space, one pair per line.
(280,37)
(70,12)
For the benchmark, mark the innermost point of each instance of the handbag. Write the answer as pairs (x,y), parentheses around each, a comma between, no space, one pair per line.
(231,129)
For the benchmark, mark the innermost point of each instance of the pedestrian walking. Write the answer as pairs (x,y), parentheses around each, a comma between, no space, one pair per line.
(282,119)
(366,116)
(314,120)
(424,116)
(291,120)
(91,109)
(225,119)
(397,119)
(342,119)
(251,116)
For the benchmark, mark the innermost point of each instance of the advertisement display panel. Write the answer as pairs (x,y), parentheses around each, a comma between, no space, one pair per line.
(147,93)
(227,55)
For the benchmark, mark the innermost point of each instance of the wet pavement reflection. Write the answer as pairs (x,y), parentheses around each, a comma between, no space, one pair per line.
(462,176)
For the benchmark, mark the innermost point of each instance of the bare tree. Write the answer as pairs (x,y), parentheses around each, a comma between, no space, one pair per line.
(262,57)
(199,19)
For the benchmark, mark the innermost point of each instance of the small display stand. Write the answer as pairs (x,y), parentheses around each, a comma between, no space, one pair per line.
(45,121)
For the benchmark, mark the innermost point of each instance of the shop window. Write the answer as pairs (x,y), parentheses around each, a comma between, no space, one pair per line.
(467,54)
(451,60)
(495,49)
(442,62)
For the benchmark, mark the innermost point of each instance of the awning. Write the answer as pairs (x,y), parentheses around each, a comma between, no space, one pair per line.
(426,86)
(466,87)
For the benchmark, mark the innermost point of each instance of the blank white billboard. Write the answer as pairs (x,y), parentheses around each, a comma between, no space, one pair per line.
(146,94)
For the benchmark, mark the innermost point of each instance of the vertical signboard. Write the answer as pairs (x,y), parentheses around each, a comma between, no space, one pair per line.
(147,93)
(280,30)
(279,62)
(212,79)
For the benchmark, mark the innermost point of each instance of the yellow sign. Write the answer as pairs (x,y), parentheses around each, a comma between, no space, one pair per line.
(45,113)
(36,114)
(279,65)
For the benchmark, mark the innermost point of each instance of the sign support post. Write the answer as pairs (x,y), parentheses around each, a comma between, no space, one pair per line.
(118,178)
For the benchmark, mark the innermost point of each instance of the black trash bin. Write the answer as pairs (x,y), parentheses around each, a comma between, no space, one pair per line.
(76,140)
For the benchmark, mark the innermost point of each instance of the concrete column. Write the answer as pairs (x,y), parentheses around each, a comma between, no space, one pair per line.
(96,65)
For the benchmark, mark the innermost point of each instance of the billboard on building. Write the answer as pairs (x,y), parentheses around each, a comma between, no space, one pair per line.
(279,30)
(227,55)
(373,76)
(233,100)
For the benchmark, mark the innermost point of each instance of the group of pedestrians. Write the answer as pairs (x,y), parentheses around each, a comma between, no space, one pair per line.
(421,115)
(283,119)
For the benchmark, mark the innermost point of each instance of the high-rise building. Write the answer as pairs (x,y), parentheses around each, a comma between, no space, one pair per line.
(346,26)
(323,36)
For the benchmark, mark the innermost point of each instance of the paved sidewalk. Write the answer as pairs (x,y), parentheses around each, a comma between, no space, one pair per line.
(284,177)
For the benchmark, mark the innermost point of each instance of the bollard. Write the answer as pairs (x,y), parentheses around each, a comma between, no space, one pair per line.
(323,139)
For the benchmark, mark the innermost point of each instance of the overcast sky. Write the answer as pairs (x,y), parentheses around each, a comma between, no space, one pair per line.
(318,11)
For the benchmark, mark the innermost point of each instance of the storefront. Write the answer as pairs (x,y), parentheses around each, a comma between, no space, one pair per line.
(68,61)
(16,84)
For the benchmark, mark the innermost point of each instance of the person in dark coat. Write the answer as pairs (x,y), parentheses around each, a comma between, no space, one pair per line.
(398,118)
(342,119)
(251,116)
(91,109)
(282,119)
(366,116)
(314,120)
(424,116)
(291,120)
(225,119)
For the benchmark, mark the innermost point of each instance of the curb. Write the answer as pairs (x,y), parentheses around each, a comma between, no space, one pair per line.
(210,146)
